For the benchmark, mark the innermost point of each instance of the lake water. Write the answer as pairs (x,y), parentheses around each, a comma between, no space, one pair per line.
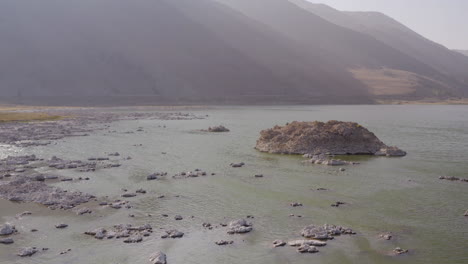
(400,195)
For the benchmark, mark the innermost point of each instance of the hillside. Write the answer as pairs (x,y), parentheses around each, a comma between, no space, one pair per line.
(452,68)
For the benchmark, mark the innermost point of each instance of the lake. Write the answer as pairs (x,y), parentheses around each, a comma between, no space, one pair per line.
(399,195)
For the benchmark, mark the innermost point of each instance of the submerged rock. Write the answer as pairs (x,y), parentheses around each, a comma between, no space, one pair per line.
(332,137)
(279,243)
(158,258)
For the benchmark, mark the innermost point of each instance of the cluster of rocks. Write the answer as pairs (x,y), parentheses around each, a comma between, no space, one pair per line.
(190,174)
(451,178)
(27,189)
(96,163)
(315,237)
(325,232)
(21,182)
(332,137)
(127,232)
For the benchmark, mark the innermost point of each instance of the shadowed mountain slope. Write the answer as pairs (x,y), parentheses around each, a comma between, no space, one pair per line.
(171,49)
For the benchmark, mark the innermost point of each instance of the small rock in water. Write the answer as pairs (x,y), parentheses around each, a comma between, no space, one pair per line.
(307,249)
(237,165)
(399,251)
(279,243)
(173,234)
(140,191)
(7,229)
(337,204)
(322,189)
(128,195)
(134,239)
(315,243)
(239,226)
(218,129)
(158,258)
(6,241)
(83,211)
(27,252)
(178,217)
(386,236)
(39,178)
(61,226)
(258,175)
(223,242)
(65,251)
(295,204)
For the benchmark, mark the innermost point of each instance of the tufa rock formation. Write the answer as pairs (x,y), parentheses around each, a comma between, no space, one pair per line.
(332,137)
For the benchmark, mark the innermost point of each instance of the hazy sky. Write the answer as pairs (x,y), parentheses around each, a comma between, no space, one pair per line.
(443,21)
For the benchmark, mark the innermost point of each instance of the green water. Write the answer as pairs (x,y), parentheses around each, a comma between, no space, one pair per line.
(400,195)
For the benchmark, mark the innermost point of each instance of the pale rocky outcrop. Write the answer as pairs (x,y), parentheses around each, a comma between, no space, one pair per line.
(332,137)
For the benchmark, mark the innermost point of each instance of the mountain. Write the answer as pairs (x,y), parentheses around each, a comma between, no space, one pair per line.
(171,50)
(178,51)
(396,35)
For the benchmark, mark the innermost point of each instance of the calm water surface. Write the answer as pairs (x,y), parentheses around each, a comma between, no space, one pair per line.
(401,195)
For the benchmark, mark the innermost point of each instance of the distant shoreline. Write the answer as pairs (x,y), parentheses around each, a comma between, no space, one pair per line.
(179,106)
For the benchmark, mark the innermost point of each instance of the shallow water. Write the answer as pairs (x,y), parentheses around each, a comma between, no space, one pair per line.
(401,195)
